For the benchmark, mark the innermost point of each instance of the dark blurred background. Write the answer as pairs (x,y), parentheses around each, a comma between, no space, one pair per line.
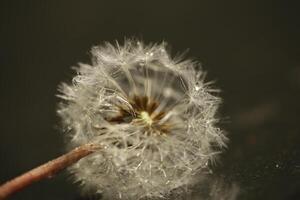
(250,48)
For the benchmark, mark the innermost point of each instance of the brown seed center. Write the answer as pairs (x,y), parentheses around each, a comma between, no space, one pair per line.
(143,112)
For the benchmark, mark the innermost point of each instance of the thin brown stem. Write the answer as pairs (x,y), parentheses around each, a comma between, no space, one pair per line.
(46,170)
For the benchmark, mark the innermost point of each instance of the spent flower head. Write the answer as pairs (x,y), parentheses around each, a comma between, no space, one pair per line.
(154,116)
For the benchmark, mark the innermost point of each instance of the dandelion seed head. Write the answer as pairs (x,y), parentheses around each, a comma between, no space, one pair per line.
(153,114)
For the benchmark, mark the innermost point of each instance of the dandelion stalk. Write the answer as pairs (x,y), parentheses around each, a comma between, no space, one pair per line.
(47,170)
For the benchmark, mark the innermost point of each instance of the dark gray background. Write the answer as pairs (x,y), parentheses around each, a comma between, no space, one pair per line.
(250,47)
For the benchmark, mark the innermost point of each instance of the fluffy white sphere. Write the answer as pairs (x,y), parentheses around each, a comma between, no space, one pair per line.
(153,115)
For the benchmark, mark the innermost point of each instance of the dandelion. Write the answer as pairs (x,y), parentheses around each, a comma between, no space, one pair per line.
(153,115)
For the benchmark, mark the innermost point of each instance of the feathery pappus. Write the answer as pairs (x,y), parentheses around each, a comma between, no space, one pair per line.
(153,114)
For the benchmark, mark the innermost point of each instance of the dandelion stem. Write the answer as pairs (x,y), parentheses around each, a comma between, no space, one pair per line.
(47,170)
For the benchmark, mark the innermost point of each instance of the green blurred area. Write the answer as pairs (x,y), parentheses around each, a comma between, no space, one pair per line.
(250,48)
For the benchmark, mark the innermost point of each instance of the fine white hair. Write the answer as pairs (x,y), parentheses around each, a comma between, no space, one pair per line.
(153,115)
